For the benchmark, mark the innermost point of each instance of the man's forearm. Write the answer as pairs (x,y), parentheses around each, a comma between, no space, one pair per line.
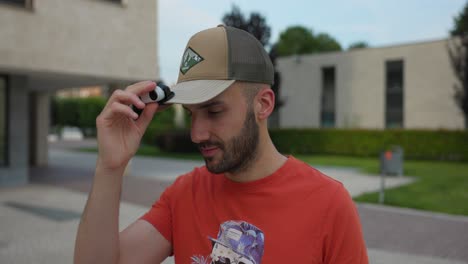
(97,240)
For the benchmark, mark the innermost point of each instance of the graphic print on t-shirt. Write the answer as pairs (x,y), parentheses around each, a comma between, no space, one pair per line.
(238,242)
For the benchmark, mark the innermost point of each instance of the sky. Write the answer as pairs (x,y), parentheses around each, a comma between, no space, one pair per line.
(377,22)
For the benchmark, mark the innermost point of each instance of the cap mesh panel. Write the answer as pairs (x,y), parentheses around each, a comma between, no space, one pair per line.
(247,60)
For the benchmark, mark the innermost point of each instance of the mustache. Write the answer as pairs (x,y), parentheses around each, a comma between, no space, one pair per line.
(205,144)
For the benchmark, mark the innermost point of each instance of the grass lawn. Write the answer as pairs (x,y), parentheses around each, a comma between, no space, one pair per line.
(440,186)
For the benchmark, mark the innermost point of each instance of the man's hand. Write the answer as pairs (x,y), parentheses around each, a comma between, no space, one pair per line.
(119,134)
(120,129)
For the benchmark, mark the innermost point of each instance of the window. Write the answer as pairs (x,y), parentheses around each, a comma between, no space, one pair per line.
(121,3)
(116,1)
(327,113)
(394,94)
(20,3)
(3,121)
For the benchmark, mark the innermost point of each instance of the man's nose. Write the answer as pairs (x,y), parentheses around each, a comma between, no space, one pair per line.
(199,131)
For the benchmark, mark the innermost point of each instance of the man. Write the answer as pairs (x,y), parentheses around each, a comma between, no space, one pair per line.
(249,204)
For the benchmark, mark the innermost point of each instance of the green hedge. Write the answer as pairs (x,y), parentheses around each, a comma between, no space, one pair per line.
(82,113)
(417,144)
(163,133)
(77,112)
(178,141)
(162,122)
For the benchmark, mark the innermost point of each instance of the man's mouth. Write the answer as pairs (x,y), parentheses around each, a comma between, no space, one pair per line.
(208,151)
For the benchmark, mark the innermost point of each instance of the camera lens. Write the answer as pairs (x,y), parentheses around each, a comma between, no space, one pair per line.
(153,95)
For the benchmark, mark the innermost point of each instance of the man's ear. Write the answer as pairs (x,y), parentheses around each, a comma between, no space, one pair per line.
(264,103)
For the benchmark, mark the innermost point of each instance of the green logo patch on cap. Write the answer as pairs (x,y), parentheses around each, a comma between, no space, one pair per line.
(190,59)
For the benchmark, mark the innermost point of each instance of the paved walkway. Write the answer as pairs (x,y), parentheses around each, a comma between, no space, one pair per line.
(167,170)
(39,221)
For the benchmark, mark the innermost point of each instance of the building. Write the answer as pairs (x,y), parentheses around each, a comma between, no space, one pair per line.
(81,92)
(48,45)
(406,86)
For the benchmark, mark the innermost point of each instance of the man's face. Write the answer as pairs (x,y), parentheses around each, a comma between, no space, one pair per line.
(225,131)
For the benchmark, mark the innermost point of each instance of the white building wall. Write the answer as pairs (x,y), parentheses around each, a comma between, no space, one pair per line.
(298,79)
(81,37)
(360,87)
(366,108)
(61,44)
(429,97)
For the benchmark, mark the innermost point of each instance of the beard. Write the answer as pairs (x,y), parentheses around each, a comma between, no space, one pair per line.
(239,152)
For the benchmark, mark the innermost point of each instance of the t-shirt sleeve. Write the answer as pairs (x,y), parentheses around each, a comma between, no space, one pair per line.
(343,239)
(160,214)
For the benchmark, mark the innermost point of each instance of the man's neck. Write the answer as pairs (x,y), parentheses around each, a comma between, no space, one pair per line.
(267,161)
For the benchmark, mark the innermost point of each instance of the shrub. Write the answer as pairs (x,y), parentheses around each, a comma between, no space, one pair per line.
(417,144)
(162,122)
(176,141)
(77,112)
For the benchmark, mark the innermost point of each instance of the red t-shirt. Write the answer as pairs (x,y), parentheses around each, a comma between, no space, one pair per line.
(295,215)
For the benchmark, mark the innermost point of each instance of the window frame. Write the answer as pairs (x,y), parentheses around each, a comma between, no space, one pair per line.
(327,115)
(28,4)
(122,3)
(392,110)
(6,161)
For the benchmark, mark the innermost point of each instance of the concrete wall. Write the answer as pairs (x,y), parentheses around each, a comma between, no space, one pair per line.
(81,37)
(360,87)
(39,128)
(17,170)
(429,97)
(61,44)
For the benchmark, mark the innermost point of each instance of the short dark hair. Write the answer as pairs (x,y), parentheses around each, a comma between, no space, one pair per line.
(250,90)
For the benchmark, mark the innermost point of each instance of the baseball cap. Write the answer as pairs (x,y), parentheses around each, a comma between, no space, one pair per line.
(217,57)
(242,238)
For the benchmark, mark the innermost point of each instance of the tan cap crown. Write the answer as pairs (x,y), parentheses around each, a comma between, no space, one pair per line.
(214,58)
(211,47)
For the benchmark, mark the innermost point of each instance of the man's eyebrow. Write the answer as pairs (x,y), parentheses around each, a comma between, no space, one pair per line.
(210,104)
(205,105)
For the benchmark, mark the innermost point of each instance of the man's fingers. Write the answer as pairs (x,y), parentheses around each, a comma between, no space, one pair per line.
(126,97)
(140,88)
(147,115)
(130,94)
(117,108)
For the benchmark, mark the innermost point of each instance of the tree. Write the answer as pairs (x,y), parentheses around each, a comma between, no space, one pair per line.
(326,43)
(257,26)
(277,78)
(297,40)
(461,22)
(358,45)
(458,52)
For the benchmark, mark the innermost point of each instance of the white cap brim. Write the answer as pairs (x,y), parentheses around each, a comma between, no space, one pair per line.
(198,91)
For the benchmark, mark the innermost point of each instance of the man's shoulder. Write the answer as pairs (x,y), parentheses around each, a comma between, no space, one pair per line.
(332,192)
(308,173)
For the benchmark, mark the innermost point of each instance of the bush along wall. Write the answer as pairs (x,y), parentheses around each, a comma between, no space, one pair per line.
(77,112)
(417,144)
(162,131)
(82,113)
(176,141)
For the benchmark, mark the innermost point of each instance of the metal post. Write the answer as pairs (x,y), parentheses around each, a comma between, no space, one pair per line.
(382,188)
(465,79)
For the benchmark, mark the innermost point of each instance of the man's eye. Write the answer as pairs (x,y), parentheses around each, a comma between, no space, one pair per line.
(215,112)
